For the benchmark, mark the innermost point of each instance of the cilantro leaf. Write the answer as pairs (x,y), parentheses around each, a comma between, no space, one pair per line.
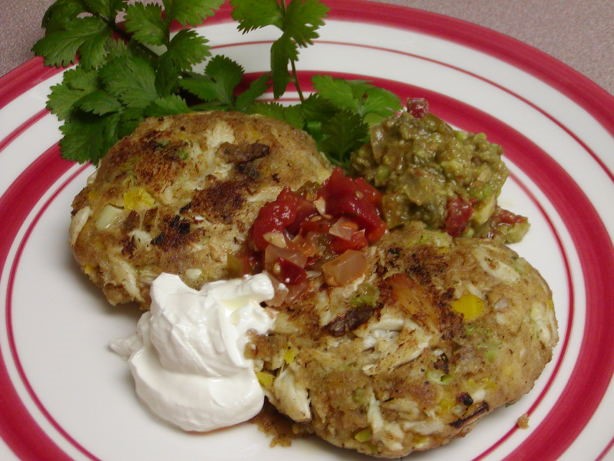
(201,86)
(226,74)
(224,69)
(283,50)
(60,14)
(317,111)
(192,12)
(75,84)
(341,135)
(167,75)
(59,47)
(317,108)
(255,14)
(167,105)
(302,20)
(106,8)
(88,137)
(187,48)
(371,103)
(145,23)
(222,75)
(93,52)
(340,113)
(298,21)
(99,102)
(379,104)
(254,90)
(116,48)
(80,79)
(337,91)
(184,50)
(289,114)
(131,79)
(129,119)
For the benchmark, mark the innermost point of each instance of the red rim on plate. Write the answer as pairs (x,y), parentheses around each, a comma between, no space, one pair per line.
(591,374)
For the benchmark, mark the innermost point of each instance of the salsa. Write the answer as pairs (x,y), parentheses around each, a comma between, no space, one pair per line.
(428,171)
(316,229)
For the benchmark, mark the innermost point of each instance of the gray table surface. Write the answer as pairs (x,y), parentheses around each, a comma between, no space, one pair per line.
(578,32)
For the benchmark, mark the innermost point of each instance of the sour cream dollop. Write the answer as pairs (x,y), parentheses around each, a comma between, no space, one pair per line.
(187,354)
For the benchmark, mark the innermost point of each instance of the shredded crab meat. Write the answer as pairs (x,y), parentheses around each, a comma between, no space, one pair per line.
(374,416)
(126,273)
(492,266)
(293,399)
(77,223)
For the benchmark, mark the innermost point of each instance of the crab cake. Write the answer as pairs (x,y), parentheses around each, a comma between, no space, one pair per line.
(437,333)
(179,195)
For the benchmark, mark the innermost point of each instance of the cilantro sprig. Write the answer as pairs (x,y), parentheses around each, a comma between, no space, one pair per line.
(130,66)
(298,22)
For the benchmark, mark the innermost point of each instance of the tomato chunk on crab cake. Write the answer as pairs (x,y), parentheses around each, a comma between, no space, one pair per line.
(433,334)
(179,194)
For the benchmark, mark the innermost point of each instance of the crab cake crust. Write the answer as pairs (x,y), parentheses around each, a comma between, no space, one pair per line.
(179,195)
(438,333)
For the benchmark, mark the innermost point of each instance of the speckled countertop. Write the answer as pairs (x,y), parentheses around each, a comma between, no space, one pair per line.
(578,32)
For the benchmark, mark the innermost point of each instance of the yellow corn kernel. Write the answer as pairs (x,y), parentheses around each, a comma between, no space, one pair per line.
(488,383)
(446,404)
(363,435)
(137,198)
(253,135)
(420,441)
(289,355)
(89,271)
(470,306)
(265,379)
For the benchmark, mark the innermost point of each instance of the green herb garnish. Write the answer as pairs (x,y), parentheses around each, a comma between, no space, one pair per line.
(130,70)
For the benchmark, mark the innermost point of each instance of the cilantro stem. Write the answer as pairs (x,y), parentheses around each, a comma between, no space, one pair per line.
(283,8)
(296,82)
(125,36)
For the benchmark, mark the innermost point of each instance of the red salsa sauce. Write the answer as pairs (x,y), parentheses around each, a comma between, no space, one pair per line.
(318,229)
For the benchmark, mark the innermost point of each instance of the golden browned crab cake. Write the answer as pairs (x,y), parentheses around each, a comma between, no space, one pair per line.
(179,195)
(437,333)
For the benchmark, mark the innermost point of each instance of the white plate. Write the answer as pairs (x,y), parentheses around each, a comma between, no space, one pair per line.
(63,395)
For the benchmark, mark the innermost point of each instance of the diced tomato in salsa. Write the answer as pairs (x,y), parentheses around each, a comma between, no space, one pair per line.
(355,199)
(290,273)
(418,107)
(350,221)
(459,212)
(288,210)
(319,226)
(356,242)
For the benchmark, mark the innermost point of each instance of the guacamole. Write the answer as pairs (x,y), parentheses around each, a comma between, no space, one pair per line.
(430,172)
